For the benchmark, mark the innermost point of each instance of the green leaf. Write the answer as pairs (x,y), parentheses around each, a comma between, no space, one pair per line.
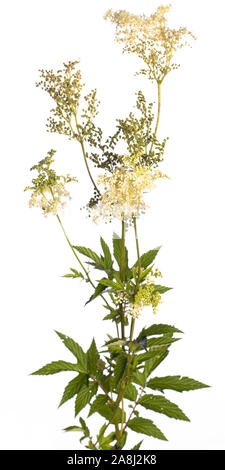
(146,426)
(85,429)
(75,349)
(89,253)
(160,404)
(55,367)
(92,358)
(105,441)
(158,329)
(73,428)
(175,382)
(164,340)
(82,399)
(115,343)
(108,262)
(110,283)
(152,363)
(74,274)
(73,387)
(119,368)
(139,378)
(152,353)
(98,291)
(98,404)
(130,392)
(137,446)
(147,258)
(117,242)
(102,406)
(161,289)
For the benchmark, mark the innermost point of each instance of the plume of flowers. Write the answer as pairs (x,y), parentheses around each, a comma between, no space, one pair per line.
(123,196)
(48,189)
(150,38)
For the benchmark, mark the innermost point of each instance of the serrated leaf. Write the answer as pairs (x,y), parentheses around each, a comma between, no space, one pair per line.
(161,289)
(73,387)
(110,283)
(102,406)
(130,392)
(92,358)
(98,291)
(119,368)
(82,399)
(164,340)
(108,262)
(146,426)
(98,403)
(147,258)
(152,353)
(117,242)
(158,329)
(139,378)
(175,382)
(89,253)
(154,362)
(75,349)
(160,404)
(137,446)
(55,367)
(74,274)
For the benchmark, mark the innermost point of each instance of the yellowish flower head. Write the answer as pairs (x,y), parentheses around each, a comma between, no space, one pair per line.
(48,189)
(50,199)
(150,38)
(123,197)
(146,295)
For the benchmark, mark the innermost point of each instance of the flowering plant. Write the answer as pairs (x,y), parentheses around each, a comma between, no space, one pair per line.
(114,381)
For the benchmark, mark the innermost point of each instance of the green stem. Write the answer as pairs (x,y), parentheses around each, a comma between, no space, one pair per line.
(131,352)
(78,259)
(158,113)
(84,153)
(133,409)
(74,252)
(137,246)
(122,275)
(122,259)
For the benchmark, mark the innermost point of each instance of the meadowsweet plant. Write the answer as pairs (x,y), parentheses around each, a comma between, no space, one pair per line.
(117,380)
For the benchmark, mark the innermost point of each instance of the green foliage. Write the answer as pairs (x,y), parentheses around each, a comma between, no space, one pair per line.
(137,446)
(162,405)
(146,426)
(73,387)
(175,382)
(111,379)
(147,258)
(74,274)
(57,366)
(92,358)
(89,254)
(82,399)
(125,376)
(75,349)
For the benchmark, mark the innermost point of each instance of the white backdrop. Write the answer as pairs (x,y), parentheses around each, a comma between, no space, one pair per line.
(186,216)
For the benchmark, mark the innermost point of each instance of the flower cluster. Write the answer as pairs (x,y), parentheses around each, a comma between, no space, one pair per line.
(123,197)
(150,38)
(146,295)
(64,87)
(48,189)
